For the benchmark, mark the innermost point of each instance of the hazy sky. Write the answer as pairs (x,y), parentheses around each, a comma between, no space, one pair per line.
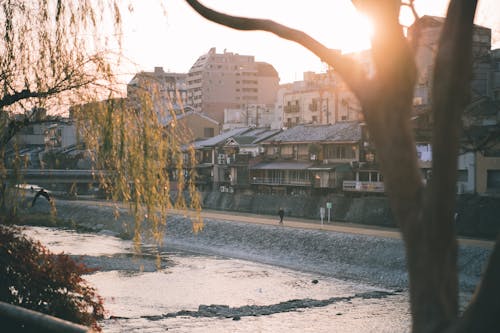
(176,39)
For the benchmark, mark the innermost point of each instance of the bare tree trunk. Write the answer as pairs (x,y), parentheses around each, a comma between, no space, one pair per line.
(424,213)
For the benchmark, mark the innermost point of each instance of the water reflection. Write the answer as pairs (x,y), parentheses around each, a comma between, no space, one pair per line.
(133,289)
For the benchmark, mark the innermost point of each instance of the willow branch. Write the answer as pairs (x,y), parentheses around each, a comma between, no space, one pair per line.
(351,71)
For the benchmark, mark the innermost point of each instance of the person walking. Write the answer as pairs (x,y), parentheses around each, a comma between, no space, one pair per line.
(44,194)
(281,213)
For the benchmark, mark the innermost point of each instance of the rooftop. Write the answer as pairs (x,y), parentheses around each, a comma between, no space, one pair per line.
(339,132)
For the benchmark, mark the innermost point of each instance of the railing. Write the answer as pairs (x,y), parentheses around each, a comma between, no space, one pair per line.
(36,321)
(280,181)
(58,175)
(361,186)
(313,107)
(291,108)
(57,172)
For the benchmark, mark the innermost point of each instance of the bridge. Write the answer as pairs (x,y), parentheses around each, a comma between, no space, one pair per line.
(58,176)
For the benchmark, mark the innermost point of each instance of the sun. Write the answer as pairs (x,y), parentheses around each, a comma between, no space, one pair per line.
(357,33)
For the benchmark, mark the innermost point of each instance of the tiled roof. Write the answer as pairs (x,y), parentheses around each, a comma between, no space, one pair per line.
(165,119)
(339,132)
(221,138)
(256,135)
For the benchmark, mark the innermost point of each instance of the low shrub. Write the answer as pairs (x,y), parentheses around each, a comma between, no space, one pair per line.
(34,278)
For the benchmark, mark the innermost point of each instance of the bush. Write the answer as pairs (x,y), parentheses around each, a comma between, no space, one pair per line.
(34,278)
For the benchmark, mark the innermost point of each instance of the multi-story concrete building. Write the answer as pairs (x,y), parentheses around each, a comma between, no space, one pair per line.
(495,75)
(479,160)
(162,90)
(428,31)
(321,98)
(219,81)
(257,115)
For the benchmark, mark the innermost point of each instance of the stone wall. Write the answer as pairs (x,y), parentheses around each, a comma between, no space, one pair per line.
(478,216)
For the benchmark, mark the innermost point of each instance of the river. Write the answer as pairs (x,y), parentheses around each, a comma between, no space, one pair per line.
(192,292)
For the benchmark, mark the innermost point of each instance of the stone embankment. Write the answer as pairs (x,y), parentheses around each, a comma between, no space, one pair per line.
(477,216)
(374,260)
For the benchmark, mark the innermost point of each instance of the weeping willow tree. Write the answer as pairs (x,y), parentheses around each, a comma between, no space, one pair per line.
(51,55)
(56,54)
(141,159)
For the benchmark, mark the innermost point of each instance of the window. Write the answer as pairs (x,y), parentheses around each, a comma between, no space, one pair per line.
(493,180)
(364,176)
(287,150)
(340,152)
(463,175)
(207,156)
(208,132)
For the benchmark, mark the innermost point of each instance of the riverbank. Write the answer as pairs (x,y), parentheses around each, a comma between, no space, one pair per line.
(477,216)
(365,258)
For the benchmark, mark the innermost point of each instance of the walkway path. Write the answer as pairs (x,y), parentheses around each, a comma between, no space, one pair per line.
(344,227)
(289,222)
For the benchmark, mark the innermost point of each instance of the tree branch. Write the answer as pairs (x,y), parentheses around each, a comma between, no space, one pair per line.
(20,95)
(59,87)
(351,71)
(450,93)
(431,241)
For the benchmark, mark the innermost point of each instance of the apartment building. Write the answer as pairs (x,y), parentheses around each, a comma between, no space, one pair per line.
(479,159)
(320,98)
(257,115)
(162,90)
(428,31)
(219,81)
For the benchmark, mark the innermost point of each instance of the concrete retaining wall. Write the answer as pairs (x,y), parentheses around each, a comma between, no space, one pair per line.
(477,216)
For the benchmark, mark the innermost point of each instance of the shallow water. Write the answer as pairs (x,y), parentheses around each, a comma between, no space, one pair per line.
(138,296)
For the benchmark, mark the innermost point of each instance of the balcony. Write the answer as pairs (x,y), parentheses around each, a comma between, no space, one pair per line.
(362,186)
(313,107)
(291,108)
(280,181)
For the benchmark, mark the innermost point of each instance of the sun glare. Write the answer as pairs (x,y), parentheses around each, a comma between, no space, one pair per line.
(406,17)
(358,37)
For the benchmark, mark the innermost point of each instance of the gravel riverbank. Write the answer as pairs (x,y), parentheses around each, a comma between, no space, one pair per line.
(374,260)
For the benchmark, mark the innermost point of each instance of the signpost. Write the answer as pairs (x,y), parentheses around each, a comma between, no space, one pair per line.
(329,206)
(322,214)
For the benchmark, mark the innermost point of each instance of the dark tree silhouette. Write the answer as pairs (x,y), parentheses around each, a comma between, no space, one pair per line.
(423,212)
